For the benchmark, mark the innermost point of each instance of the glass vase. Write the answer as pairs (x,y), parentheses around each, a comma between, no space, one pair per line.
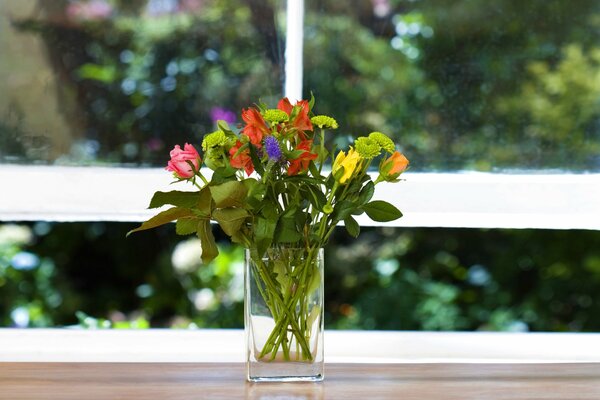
(284,314)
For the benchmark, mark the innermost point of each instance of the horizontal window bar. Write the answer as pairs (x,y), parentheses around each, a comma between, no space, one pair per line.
(451,200)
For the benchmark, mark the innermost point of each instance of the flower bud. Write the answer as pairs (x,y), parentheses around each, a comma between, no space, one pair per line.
(184,163)
(391,167)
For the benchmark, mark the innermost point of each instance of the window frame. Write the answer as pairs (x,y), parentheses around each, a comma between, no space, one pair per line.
(446,200)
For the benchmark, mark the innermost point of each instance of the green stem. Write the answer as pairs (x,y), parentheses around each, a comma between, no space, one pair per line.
(203,178)
(286,318)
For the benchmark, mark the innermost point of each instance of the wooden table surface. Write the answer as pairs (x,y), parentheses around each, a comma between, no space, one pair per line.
(342,381)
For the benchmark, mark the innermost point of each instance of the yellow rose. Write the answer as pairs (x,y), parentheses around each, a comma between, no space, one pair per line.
(350,162)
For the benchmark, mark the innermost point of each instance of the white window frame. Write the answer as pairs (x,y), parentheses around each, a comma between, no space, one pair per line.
(449,200)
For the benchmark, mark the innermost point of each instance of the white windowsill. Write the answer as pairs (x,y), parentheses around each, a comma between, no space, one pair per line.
(207,345)
(470,200)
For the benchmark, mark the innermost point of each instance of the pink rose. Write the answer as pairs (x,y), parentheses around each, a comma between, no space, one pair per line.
(181,159)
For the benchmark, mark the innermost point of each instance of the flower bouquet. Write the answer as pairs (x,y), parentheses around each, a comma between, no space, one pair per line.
(268,190)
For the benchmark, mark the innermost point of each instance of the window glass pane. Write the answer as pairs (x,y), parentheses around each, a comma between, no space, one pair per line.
(463,84)
(120,81)
(58,274)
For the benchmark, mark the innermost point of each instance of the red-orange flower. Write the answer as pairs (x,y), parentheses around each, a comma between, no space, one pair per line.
(256,126)
(301,163)
(302,121)
(242,160)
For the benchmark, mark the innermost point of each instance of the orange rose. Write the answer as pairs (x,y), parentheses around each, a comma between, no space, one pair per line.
(391,168)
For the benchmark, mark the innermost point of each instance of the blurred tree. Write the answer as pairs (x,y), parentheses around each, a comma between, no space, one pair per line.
(138,77)
(439,75)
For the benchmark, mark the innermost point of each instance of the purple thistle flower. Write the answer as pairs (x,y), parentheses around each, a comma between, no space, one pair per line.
(273,149)
(217,113)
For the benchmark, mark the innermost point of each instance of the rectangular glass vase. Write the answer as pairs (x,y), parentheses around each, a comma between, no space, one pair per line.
(284,315)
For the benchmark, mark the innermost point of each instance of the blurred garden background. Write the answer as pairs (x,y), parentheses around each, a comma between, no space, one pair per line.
(503,86)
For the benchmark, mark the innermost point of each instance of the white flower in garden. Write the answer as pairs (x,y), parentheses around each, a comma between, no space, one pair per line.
(12,234)
(187,256)
(203,299)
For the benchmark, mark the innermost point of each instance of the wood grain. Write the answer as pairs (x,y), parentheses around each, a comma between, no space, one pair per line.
(342,381)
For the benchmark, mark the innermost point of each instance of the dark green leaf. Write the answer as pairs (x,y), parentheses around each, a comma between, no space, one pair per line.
(264,230)
(207,240)
(286,231)
(255,160)
(366,193)
(352,226)
(315,196)
(223,174)
(174,198)
(342,210)
(313,170)
(381,211)
(163,218)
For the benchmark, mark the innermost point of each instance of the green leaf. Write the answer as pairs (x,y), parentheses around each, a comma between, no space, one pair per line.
(381,211)
(223,174)
(256,193)
(229,194)
(315,278)
(287,230)
(342,210)
(174,198)
(209,246)
(311,102)
(264,230)
(366,193)
(222,125)
(186,226)
(163,218)
(230,219)
(292,155)
(255,160)
(314,171)
(282,275)
(352,226)
(205,202)
(315,196)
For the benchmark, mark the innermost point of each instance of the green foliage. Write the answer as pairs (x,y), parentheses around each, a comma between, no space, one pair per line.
(558,104)
(407,279)
(381,211)
(141,82)
(175,198)
(464,279)
(464,85)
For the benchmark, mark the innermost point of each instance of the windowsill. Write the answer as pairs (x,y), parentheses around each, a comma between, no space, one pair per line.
(217,345)
(447,200)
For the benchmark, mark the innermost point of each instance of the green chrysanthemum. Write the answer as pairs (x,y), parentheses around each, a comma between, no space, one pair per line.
(275,116)
(367,148)
(324,121)
(215,139)
(384,141)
